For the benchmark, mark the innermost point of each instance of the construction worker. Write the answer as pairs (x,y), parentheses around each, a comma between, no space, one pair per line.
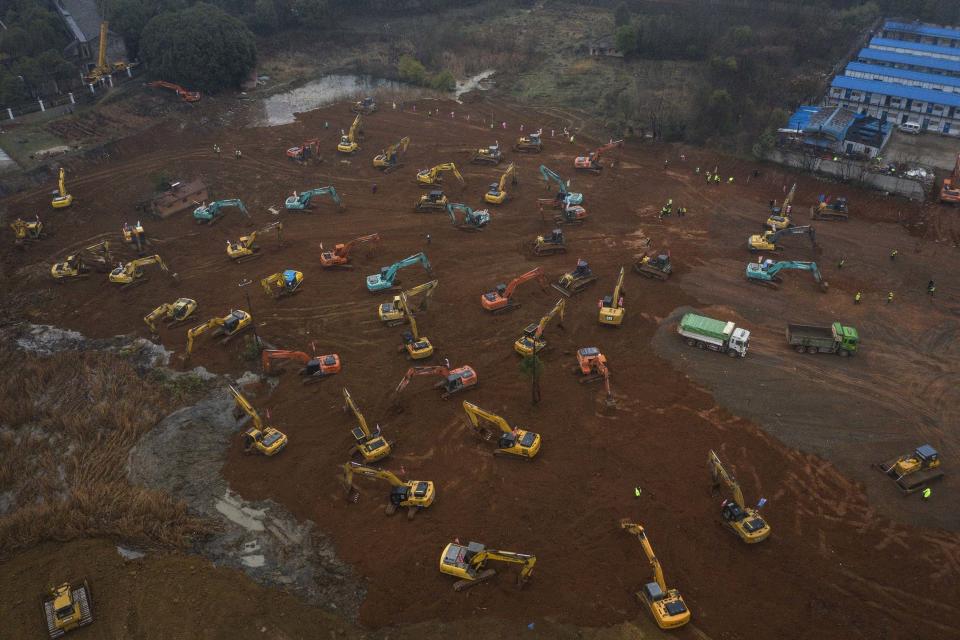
(927,492)
(716,178)
(841,263)
(697,171)
(856,298)
(216,150)
(681,211)
(636,492)
(730,180)
(889,297)
(931,288)
(326,125)
(666,209)
(709,176)
(666,163)
(373,188)
(428,238)
(893,254)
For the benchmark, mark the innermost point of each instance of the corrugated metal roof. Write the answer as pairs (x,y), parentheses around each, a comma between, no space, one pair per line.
(879,55)
(921,28)
(85,16)
(951,52)
(896,90)
(905,74)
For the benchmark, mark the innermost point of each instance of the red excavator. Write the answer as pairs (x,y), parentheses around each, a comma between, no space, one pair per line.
(591,367)
(186,96)
(499,301)
(314,367)
(339,258)
(303,152)
(591,161)
(454,380)
(950,192)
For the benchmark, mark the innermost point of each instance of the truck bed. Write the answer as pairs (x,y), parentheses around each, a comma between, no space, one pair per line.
(806,333)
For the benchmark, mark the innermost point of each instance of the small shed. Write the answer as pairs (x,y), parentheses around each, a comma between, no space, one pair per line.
(605,47)
(181,196)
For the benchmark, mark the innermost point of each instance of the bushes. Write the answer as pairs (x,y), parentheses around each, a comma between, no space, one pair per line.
(412,70)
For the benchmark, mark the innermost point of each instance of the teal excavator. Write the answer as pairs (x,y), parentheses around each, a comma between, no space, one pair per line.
(210,213)
(765,272)
(385,280)
(301,201)
(472,220)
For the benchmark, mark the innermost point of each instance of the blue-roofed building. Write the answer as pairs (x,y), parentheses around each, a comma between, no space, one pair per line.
(949,84)
(909,62)
(888,101)
(915,48)
(837,130)
(922,33)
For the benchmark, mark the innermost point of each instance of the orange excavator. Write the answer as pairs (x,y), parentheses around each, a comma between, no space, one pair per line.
(591,161)
(185,95)
(339,258)
(592,367)
(303,152)
(454,380)
(950,192)
(315,367)
(499,301)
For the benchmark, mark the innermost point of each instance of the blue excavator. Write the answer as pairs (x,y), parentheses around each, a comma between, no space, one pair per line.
(566,197)
(301,201)
(210,213)
(765,272)
(472,220)
(387,278)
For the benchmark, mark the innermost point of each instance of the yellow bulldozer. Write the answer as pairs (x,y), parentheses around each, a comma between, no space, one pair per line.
(914,471)
(68,607)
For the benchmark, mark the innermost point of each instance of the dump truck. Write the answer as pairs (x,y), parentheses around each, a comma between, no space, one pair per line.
(837,338)
(706,333)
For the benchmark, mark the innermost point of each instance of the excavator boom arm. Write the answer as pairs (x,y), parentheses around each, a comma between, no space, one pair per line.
(413,372)
(637,530)
(720,475)
(355,468)
(529,275)
(348,399)
(475,414)
(246,407)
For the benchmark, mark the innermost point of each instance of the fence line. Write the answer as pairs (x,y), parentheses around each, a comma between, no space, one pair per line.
(85,95)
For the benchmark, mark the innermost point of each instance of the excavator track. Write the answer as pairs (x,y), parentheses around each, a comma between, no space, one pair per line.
(483,576)
(510,306)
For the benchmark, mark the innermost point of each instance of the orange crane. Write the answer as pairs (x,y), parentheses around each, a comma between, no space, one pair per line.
(185,95)
(339,258)
(454,380)
(591,161)
(314,367)
(499,301)
(950,192)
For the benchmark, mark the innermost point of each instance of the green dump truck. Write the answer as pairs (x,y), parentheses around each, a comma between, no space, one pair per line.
(837,338)
(717,335)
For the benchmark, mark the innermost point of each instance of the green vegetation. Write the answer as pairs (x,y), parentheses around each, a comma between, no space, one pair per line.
(31,48)
(201,47)
(412,70)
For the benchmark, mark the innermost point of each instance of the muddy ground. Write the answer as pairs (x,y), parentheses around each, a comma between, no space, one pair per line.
(849,557)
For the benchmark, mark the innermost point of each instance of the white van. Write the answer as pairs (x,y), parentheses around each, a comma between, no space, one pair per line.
(910,126)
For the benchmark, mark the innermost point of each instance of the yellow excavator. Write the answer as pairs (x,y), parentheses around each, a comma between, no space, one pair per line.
(667,605)
(394,314)
(512,441)
(737,516)
(432,177)
(258,438)
(68,607)
(61,199)
(370,444)
(350,142)
(229,326)
(246,247)
(282,284)
(497,193)
(611,307)
(135,236)
(532,339)
(469,564)
(171,313)
(780,216)
(132,272)
(78,265)
(104,68)
(388,160)
(418,347)
(24,232)
(412,495)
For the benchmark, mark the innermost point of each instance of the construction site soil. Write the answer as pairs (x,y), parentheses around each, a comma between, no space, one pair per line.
(849,557)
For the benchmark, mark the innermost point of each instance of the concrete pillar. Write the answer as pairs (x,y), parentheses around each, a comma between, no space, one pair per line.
(110,77)
(92,90)
(72,101)
(129,72)
(10,112)
(42,108)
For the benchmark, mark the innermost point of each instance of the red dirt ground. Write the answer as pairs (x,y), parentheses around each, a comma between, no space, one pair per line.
(836,566)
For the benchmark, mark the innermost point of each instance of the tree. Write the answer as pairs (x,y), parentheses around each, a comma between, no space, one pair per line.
(314,13)
(443,81)
(718,114)
(128,18)
(626,39)
(621,15)
(265,17)
(411,70)
(764,145)
(201,47)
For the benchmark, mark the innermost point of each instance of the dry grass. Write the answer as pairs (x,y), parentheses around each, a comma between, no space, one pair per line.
(67,424)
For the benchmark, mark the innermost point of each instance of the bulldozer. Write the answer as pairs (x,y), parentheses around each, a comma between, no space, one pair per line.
(654,265)
(394,313)
(350,141)
(68,607)
(258,438)
(412,495)
(418,347)
(530,143)
(838,209)
(369,443)
(171,313)
(510,441)
(612,311)
(388,160)
(488,155)
(24,232)
(549,245)
(366,106)
(433,177)
(742,520)
(666,605)
(454,380)
(501,300)
(78,265)
(229,326)
(282,284)
(246,248)
(497,192)
(592,367)
(339,258)
(314,367)
(135,236)
(303,152)
(468,563)
(132,273)
(575,281)
(532,340)
(913,471)
(432,201)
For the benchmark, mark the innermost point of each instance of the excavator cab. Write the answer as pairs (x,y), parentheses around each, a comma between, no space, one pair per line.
(664,606)
(751,523)
(233,321)
(419,492)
